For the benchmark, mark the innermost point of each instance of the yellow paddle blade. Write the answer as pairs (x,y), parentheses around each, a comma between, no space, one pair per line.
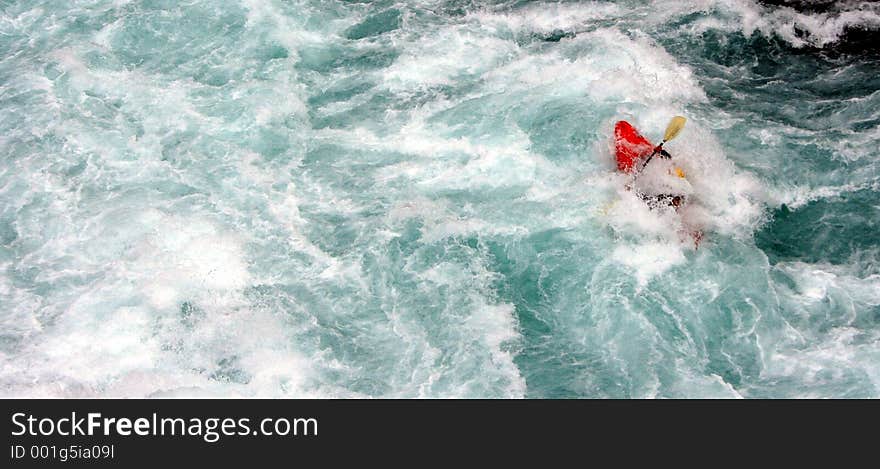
(674,127)
(679,172)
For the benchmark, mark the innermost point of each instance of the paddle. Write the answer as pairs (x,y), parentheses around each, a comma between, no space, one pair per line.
(672,131)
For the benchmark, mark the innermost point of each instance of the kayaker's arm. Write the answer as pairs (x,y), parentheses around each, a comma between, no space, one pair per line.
(658,149)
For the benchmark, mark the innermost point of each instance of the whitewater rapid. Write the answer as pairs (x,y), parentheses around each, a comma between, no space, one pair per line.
(418,199)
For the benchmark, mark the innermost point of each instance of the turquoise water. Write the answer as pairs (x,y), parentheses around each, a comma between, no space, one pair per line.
(418,199)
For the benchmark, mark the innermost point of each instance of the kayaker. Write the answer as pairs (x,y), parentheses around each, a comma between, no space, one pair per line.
(653,198)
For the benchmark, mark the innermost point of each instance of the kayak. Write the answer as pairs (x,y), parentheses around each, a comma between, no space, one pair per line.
(660,179)
(629,146)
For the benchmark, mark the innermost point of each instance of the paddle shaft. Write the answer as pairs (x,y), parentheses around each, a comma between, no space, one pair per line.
(656,150)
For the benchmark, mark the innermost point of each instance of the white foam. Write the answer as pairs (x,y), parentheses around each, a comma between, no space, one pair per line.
(649,259)
(491,324)
(544,18)
(799,29)
(456,163)
(284,28)
(441,221)
(798,196)
(606,65)
(186,252)
(454,52)
(817,282)
(837,296)
(106,341)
